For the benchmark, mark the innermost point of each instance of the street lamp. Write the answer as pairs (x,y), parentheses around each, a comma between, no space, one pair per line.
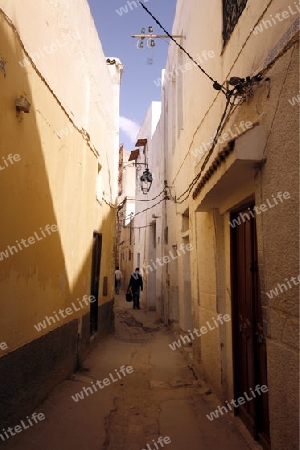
(146,181)
(150,36)
(147,177)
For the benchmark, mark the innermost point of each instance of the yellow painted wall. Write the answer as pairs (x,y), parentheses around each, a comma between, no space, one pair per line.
(54,182)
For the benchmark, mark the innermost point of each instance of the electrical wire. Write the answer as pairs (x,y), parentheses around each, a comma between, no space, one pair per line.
(230,70)
(150,200)
(141,200)
(194,181)
(229,93)
(216,85)
(260,74)
(187,192)
(147,209)
(109,204)
(137,228)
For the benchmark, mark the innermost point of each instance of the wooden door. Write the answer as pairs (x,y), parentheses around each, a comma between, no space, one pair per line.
(249,346)
(95,277)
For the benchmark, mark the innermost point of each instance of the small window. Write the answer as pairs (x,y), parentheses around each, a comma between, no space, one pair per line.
(154,234)
(99,185)
(232,10)
(185,220)
(105,285)
(138,260)
(166,233)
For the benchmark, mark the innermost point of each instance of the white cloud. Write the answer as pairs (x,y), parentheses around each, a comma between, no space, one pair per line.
(130,128)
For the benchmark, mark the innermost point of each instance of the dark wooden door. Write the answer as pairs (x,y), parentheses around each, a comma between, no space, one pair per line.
(95,277)
(249,346)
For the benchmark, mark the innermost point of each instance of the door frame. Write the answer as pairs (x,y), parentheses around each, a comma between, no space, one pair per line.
(95,280)
(253,427)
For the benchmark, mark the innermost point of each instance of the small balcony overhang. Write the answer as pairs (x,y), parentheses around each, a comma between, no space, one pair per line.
(141,143)
(233,168)
(134,154)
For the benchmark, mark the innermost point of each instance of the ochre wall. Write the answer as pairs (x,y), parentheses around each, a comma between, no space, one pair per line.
(53,183)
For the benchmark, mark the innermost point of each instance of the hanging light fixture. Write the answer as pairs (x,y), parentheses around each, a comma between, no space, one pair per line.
(151,43)
(146,181)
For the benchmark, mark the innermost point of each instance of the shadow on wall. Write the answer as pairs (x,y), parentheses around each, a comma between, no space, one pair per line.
(36,275)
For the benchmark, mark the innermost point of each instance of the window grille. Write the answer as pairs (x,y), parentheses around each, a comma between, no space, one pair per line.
(232,10)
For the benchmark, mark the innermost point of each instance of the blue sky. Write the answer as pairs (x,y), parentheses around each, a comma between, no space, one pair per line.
(137,89)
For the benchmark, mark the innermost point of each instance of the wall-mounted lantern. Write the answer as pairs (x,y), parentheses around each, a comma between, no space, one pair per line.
(146,181)
(147,177)
(151,38)
(22,105)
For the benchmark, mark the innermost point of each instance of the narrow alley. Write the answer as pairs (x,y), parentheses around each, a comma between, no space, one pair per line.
(161,397)
(149,179)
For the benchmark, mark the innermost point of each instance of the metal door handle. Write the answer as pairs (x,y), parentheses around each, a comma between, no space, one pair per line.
(260,338)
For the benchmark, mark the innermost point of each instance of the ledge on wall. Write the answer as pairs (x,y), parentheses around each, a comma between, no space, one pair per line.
(235,168)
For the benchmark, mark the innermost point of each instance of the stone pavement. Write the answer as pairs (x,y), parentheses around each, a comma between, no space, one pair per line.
(161,397)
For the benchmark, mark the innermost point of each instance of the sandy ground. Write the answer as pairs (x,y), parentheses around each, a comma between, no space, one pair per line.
(161,397)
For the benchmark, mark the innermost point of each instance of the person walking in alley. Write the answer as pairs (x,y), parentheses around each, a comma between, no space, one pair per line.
(118,278)
(136,286)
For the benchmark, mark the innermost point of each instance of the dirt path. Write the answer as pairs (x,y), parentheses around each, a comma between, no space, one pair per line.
(161,397)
